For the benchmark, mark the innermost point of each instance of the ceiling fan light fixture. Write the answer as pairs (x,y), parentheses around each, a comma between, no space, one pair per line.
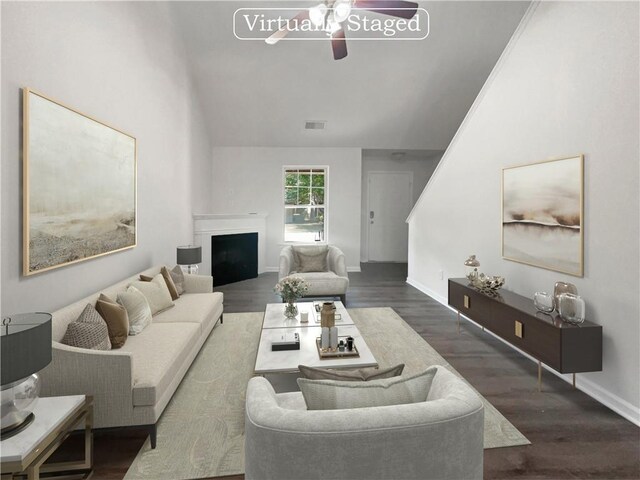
(317,14)
(341,10)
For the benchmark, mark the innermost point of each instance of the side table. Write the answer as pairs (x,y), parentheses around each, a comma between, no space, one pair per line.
(55,419)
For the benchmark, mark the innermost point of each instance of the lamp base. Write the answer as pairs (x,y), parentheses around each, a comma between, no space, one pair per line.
(22,421)
(192,269)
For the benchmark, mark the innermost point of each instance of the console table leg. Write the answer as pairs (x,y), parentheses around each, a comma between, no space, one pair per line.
(574,380)
(539,376)
(458,322)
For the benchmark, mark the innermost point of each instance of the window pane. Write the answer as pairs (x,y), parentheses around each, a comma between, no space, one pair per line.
(318,180)
(304,180)
(291,196)
(317,196)
(304,224)
(291,179)
(303,196)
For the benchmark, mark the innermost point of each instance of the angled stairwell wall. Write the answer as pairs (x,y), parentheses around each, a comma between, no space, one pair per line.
(566,84)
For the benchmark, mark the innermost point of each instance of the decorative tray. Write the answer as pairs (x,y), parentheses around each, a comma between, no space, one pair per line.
(337,354)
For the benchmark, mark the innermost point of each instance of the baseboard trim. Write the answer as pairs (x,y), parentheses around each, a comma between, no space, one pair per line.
(595,391)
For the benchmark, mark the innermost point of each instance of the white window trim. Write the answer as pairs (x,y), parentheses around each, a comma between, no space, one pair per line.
(326,202)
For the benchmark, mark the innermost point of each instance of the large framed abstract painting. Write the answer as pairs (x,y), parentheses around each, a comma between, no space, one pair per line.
(542,214)
(79,186)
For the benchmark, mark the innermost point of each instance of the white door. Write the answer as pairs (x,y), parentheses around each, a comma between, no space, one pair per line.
(390,199)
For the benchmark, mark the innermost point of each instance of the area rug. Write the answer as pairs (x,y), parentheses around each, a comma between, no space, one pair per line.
(201,433)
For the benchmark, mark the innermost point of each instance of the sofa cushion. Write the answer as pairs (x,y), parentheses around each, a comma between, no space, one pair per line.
(334,394)
(88,331)
(171,286)
(199,308)
(177,275)
(117,320)
(156,292)
(324,283)
(158,353)
(138,309)
(364,374)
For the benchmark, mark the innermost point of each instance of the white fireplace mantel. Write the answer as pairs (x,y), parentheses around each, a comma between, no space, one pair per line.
(208,225)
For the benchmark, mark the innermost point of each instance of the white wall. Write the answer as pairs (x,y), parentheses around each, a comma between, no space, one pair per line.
(120,63)
(567,84)
(421,166)
(249,179)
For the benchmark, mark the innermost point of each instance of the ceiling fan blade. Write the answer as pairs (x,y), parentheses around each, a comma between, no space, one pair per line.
(395,8)
(284,31)
(339,45)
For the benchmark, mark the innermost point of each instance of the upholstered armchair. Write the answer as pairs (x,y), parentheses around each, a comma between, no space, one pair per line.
(440,438)
(329,280)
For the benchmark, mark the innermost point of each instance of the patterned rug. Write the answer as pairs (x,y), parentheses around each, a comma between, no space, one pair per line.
(201,433)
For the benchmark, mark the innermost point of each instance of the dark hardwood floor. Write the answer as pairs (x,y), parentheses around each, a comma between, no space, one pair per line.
(572,435)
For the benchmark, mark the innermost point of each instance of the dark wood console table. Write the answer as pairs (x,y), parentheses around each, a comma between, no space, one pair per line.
(562,346)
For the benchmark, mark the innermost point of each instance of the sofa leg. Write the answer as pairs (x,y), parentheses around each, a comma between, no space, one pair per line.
(153,433)
(343,299)
(221,318)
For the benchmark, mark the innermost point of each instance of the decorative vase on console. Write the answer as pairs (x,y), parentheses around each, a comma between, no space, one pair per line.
(290,289)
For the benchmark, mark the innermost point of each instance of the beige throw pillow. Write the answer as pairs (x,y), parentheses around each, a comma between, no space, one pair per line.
(115,315)
(351,374)
(177,275)
(138,309)
(334,394)
(167,279)
(156,293)
(310,258)
(88,331)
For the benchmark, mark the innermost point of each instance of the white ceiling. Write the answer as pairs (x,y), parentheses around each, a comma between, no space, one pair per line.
(383,95)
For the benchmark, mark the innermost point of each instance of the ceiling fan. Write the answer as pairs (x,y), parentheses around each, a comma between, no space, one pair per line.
(332,13)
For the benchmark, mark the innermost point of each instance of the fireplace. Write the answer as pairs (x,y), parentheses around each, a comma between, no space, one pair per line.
(234,257)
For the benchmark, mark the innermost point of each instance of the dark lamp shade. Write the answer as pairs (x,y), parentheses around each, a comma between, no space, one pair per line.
(25,345)
(189,255)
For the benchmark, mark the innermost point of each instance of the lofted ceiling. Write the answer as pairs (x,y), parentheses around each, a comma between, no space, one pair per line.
(383,95)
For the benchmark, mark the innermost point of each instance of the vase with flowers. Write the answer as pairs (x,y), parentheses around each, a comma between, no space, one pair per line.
(290,289)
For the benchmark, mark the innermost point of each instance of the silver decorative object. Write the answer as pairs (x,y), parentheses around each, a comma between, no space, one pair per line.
(488,284)
(571,308)
(544,302)
(559,289)
(472,265)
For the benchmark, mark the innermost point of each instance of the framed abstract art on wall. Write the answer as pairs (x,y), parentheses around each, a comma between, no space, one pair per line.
(79,186)
(542,214)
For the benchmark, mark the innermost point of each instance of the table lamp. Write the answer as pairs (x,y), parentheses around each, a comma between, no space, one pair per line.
(25,345)
(188,258)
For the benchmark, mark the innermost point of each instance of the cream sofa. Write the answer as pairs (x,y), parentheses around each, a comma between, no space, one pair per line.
(441,438)
(133,384)
(331,283)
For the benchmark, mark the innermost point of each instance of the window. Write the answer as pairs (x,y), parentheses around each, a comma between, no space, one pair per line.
(305,198)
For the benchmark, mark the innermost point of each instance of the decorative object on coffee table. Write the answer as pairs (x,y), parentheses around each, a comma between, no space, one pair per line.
(26,349)
(559,289)
(472,265)
(290,289)
(543,302)
(571,308)
(188,257)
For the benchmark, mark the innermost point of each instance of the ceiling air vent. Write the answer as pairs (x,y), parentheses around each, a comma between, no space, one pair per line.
(314,125)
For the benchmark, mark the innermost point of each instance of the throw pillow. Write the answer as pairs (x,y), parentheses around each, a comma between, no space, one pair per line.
(117,320)
(352,374)
(310,258)
(177,275)
(88,331)
(334,394)
(138,309)
(164,271)
(156,293)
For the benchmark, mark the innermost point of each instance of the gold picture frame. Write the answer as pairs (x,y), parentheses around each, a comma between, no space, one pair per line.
(543,214)
(79,180)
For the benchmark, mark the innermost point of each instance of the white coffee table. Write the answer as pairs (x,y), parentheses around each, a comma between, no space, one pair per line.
(274,316)
(287,361)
